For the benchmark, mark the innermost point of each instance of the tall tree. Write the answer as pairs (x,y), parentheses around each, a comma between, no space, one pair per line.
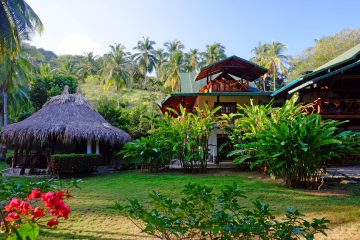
(261,58)
(172,70)
(161,58)
(272,57)
(88,66)
(214,52)
(17,22)
(174,46)
(145,56)
(116,69)
(276,61)
(324,50)
(193,60)
(15,73)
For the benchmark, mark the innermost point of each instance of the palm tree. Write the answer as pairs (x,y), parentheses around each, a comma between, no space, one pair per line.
(161,58)
(88,66)
(192,60)
(174,46)
(261,56)
(116,69)
(276,61)
(145,57)
(14,73)
(172,69)
(271,56)
(17,22)
(214,52)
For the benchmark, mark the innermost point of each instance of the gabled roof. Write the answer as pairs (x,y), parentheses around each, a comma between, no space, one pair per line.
(233,65)
(335,66)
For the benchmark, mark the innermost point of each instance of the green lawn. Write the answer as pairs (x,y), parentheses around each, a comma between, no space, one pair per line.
(93,218)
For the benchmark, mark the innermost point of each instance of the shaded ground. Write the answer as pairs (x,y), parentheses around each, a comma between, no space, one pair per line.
(93,218)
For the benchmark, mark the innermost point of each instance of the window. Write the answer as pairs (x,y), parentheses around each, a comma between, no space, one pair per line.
(226,107)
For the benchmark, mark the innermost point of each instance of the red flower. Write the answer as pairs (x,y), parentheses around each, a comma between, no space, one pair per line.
(38,213)
(13,216)
(53,222)
(14,204)
(50,199)
(35,194)
(25,207)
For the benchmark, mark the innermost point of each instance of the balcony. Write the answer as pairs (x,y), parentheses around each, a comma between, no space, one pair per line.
(335,108)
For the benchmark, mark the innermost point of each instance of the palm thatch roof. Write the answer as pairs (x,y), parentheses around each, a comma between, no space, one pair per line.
(67,118)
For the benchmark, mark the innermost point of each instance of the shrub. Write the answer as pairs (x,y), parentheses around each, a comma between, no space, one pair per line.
(291,144)
(71,164)
(203,214)
(42,88)
(149,152)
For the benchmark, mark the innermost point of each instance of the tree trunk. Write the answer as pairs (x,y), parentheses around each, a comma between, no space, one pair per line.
(264,84)
(118,100)
(274,83)
(6,108)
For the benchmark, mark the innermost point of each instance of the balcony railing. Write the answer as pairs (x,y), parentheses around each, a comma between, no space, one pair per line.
(334,107)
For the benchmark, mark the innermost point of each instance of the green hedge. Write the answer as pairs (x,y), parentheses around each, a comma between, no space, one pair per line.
(73,164)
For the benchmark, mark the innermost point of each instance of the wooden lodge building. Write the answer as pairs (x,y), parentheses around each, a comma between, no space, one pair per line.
(225,83)
(332,90)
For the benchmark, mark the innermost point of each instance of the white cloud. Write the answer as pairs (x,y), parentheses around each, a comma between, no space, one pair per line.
(78,44)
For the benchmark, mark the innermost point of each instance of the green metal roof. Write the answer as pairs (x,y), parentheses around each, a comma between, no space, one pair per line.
(347,57)
(342,58)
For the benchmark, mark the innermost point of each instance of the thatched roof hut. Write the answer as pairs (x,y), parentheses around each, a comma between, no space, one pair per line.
(66,119)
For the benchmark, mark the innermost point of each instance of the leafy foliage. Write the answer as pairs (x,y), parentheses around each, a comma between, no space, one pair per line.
(42,88)
(323,51)
(289,143)
(203,214)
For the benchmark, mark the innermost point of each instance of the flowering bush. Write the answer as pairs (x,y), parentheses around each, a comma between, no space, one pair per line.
(20,218)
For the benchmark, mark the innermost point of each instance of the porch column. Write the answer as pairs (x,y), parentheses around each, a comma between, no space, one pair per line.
(88,146)
(97,147)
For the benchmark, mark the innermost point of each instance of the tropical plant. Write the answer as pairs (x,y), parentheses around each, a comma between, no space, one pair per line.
(271,56)
(88,66)
(289,143)
(17,22)
(192,60)
(161,58)
(148,152)
(14,72)
(146,56)
(213,53)
(116,69)
(174,46)
(42,88)
(188,134)
(171,71)
(202,213)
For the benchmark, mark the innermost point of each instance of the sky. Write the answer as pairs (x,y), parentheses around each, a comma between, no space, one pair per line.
(78,26)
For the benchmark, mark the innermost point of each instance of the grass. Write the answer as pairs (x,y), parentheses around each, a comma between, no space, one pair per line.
(93,218)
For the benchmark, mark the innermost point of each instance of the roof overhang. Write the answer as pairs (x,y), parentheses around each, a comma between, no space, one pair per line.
(310,79)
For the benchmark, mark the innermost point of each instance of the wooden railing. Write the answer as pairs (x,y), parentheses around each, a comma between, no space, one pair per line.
(334,107)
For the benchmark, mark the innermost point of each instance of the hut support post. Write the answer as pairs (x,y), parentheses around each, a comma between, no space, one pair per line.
(88,147)
(15,158)
(97,147)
